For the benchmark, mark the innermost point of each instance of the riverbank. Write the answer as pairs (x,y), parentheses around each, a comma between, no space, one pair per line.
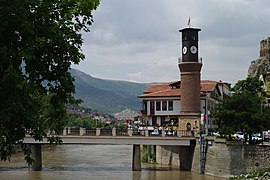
(260,174)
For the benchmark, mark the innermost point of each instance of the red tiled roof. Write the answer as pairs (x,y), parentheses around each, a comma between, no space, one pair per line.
(166,90)
(208,85)
(157,87)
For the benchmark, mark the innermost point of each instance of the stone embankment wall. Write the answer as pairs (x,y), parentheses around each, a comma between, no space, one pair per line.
(229,158)
(223,158)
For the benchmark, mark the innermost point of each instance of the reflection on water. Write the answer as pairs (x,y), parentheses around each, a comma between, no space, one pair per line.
(103,162)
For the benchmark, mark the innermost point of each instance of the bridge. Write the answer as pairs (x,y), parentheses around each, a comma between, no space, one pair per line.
(112,136)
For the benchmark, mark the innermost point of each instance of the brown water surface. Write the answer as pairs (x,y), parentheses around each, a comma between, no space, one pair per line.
(102,162)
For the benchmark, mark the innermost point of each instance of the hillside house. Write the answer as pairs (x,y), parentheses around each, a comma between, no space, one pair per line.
(161,102)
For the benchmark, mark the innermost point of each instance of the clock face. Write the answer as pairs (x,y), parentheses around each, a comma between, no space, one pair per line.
(193,49)
(184,50)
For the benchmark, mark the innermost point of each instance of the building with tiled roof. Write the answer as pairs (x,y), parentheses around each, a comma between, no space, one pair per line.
(161,102)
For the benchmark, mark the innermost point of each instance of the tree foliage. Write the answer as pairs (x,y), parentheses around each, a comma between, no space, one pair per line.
(39,40)
(244,110)
(83,122)
(90,123)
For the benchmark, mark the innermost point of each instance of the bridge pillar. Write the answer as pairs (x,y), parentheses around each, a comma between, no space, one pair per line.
(136,159)
(37,156)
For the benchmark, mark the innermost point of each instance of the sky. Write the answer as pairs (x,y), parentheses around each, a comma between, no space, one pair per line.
(139,40)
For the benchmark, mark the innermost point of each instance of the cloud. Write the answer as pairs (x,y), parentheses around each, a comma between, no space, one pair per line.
(139,40)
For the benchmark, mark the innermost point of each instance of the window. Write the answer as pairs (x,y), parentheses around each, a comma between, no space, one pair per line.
(164,105)
(170,105)
(158,108)
(152,105)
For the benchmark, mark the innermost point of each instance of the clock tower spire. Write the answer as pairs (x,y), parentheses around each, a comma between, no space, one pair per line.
(190,68)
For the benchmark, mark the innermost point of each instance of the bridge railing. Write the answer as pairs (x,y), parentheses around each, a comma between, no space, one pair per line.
(106,132)
(90,132)
(121,132)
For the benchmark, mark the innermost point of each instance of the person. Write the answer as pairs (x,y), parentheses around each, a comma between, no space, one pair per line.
(160,130)
(192,131)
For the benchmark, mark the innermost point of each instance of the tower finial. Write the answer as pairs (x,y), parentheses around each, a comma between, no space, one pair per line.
(188,22)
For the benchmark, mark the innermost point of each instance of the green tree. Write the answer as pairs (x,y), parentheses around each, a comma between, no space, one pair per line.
(244,110)
(39,40)
(83,122)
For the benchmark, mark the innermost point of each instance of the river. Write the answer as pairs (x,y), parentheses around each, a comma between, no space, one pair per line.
(102,162)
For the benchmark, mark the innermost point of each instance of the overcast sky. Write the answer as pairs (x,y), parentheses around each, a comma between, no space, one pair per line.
(139,40)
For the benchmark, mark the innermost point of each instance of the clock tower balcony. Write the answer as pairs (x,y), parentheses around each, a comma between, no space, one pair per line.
(180,60)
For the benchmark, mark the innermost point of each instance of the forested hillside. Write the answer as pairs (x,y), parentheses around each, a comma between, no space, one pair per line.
(109,96)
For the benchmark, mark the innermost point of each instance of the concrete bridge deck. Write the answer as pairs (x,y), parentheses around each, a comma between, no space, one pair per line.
(172,141)
(115,136)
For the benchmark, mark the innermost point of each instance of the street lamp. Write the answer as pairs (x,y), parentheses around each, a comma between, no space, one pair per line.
(206,113)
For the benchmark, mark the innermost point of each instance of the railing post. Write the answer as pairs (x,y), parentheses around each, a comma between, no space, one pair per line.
(114,131)
(146,132)
(65,131)
(130,131)
(81,131)
(97,131)
(179,133)
(163,133)
(69,130)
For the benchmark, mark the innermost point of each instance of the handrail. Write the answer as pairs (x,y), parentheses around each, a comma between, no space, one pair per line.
(69,131)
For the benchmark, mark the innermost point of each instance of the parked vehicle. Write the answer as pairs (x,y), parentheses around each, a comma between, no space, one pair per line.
(257,137)
(266,135)
(238,136)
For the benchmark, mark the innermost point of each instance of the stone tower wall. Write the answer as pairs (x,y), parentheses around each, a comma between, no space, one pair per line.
(190,87)
(265,48)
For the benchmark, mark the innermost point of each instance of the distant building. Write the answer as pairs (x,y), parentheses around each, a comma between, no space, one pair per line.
(161,102)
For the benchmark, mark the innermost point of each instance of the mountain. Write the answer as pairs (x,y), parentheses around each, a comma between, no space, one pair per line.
(108,96)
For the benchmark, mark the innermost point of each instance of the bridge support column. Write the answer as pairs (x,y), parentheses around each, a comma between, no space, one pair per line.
(37,156)
(136,159)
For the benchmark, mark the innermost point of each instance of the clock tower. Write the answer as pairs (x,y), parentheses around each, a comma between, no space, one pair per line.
(190,72)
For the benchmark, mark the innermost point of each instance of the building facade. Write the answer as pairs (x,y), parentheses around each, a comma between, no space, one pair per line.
(161,103)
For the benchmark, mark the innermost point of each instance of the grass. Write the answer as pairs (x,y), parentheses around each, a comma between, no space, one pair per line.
(258,173)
